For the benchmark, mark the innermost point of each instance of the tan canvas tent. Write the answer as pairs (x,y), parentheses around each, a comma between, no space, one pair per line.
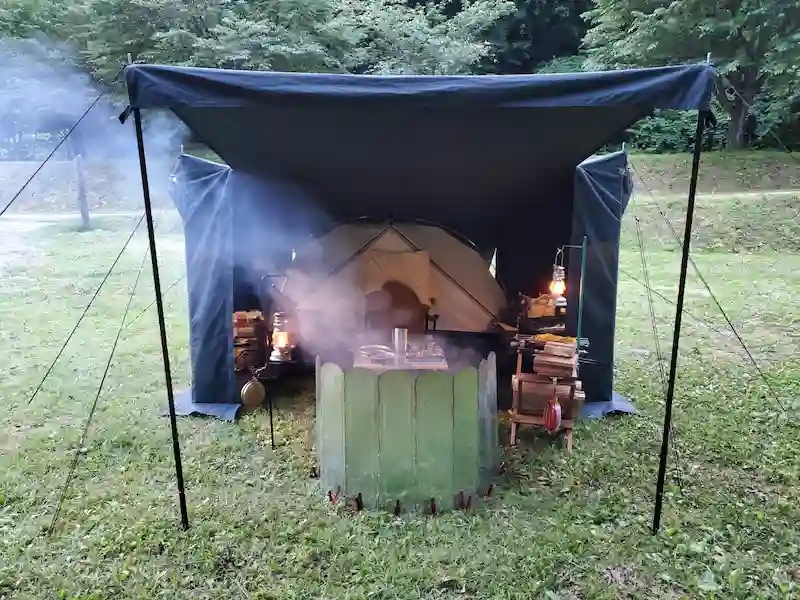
(332,277)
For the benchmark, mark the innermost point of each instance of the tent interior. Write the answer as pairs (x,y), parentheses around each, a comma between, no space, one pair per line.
(356,275)
(497,159)
(336,279)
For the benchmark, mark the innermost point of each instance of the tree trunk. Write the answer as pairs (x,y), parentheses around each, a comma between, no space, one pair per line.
(738,124)
(83,202)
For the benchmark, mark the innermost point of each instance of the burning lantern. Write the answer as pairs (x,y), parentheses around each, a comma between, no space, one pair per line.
(558,286)
(281,342)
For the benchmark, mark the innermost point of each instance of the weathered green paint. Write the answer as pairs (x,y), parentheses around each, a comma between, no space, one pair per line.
(407,435)
(487,409)
(397,454)
(332,416)
(434,412)
(361,435)
(319,420)
(466,423)
(491,417)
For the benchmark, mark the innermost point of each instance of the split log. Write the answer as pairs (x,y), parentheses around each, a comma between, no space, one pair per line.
(560,349)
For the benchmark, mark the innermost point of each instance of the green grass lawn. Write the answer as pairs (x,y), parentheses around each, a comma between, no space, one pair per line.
(559,526)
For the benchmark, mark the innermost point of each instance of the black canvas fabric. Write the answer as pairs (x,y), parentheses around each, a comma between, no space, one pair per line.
(492,158)
(223,276)
(603,187)
(486,156)
(200,194)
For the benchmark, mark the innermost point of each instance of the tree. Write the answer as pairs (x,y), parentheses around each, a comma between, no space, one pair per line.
(390,37)
(366,36)
(755,44)
(537,32)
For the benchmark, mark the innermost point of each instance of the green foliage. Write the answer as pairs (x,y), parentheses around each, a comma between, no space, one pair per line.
(564,64)
(537,32)
(390,37)
(368,36)
(666,131)
(673,131)
(755,44)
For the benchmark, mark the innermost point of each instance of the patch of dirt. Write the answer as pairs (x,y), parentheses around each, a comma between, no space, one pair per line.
(625,580)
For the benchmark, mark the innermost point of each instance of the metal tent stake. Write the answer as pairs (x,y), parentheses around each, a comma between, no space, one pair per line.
(673,365)
(148,209)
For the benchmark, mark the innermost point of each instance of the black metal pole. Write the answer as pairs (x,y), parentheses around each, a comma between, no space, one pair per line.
(148,209)
(271,426)
(676,334)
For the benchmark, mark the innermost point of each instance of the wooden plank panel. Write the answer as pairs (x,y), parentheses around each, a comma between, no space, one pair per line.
(318,442)
(397,441)
(434,439)
(494,438)
(361,435)
(331,422)
(484,437)
(466,427)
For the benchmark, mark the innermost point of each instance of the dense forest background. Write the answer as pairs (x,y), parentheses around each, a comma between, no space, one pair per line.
(755,45)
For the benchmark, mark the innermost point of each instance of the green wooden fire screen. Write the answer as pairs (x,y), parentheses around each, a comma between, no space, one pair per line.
(407,436)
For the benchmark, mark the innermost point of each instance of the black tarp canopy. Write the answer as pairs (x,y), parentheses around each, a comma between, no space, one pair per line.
(498,159)
(492,157)
(210,196)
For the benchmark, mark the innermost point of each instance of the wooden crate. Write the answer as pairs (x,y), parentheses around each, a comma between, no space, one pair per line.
(536,396)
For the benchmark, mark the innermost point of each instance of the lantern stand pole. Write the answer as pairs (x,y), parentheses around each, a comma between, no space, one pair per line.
(583,247)
(148,209)
(580,293)
(271,426)
(676,334)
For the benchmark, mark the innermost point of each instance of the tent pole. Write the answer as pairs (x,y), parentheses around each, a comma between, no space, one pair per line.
(673,365)
(148,209)
(580,294)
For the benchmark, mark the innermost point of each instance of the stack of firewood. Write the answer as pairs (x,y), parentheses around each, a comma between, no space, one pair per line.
(558,359)
(249,339)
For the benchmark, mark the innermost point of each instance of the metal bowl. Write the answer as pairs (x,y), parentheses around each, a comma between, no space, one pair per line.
(377,352)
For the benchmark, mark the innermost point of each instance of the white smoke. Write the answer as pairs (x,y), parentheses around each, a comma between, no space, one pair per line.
(45,93)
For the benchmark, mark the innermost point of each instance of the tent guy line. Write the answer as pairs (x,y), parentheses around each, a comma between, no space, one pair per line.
(84,436)
(672,302)
(656,340)
(149,306)
(714,298)
(86,308)
(60,143)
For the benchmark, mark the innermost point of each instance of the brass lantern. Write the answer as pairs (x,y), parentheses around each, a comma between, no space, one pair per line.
(558,286)
(281,339)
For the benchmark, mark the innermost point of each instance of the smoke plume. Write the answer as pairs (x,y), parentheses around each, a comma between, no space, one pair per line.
(45,93)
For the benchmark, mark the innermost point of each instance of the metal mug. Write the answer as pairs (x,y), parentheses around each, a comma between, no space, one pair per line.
(400,344)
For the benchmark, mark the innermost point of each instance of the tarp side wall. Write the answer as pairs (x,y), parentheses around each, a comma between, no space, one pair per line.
(200,196)
(602,190)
